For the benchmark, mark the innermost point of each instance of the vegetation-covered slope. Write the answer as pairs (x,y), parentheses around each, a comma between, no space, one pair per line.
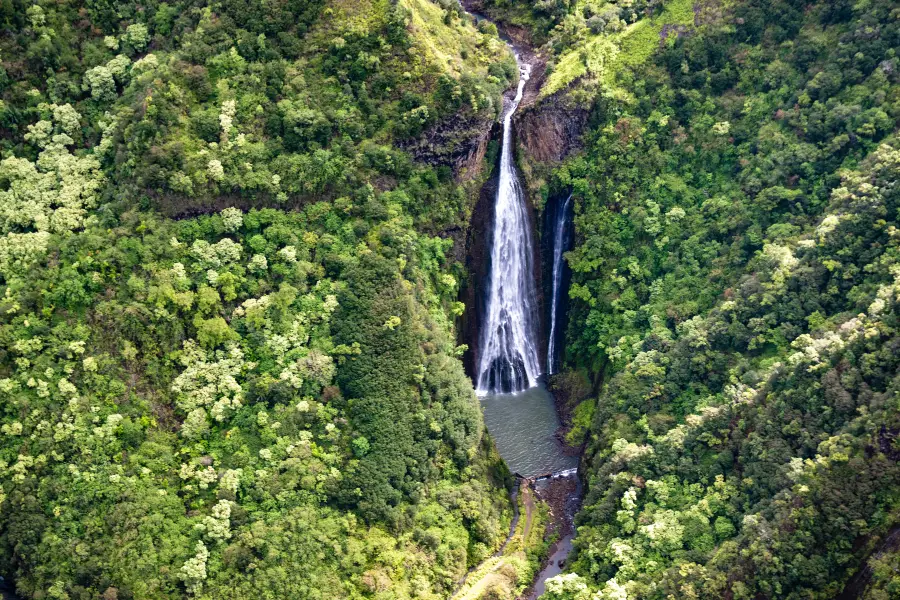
(252,403)
(227,366)
(203,107)
(734,288)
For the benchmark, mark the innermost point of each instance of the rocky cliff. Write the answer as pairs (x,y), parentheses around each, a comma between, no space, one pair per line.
(550,129)
(458,144)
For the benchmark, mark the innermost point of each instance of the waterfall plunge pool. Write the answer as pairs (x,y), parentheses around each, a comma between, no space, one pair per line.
(523,425)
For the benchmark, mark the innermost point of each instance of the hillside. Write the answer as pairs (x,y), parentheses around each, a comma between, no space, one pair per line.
(244,248)
(262,397)
(733,293)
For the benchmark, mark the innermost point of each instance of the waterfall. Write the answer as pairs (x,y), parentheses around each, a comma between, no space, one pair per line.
(559,243)
(509,359)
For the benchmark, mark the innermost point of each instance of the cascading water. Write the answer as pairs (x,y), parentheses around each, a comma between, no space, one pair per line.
(509,360)
(560,240)
(518,410)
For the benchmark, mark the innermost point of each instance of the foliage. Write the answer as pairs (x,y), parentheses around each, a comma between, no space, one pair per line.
(734,279)
(264,105)
(263,399)
(537,17)
(219,415)
(250,401)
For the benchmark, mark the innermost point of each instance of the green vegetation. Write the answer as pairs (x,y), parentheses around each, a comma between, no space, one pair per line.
(592,41)
(228,290)
(262,399)
(214,394)
(536,18)
(582,417)
(209,108)
(509,573)
(734,287)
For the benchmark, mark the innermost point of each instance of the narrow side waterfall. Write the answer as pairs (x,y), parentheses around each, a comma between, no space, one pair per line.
(509,359)
(560,241)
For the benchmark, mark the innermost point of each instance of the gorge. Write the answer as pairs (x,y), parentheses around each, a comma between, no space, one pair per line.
(510,375)
(349,300)
(511,371)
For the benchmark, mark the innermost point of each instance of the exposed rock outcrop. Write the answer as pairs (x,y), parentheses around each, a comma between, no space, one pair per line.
(551,129)
(459,144)
(478,265)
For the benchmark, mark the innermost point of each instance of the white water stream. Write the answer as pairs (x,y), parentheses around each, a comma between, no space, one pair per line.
(559,243)
(509,358)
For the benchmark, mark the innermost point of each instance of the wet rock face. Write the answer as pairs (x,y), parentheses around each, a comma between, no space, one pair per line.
(551,130)
(467,164)
(477,261)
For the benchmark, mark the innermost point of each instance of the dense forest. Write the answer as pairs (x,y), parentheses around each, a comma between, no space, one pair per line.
(232,247)
(734,294)
(261,397)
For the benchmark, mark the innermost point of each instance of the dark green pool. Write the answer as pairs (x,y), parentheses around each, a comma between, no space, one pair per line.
(523,426)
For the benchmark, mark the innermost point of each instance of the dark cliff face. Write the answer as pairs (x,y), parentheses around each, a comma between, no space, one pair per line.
(478,267)
(547,131)
(551,129)
(552,213)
